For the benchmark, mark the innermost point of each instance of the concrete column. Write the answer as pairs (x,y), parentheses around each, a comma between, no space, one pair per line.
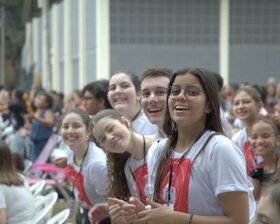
(224,40)
(46,71)
(102,39)
(27,53)
(35,44)
(68,69)
(83,58)
(2,46)
(55,48)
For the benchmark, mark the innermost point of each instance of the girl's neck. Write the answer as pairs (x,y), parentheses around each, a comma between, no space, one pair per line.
(248,124)
(132,115)
(187,137)
(161,132)
(81,153)
(270,163)
(138,144)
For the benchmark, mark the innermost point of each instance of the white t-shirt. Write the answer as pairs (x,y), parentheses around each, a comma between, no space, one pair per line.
(90,187)
(18,202)
(240,137)
(219,169)
(143,126)
(225,123)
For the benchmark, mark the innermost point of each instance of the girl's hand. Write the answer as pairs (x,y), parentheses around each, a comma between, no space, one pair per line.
(139,206)
(158,214)
(129,213)
(115,210)
(98,213)
(60,162)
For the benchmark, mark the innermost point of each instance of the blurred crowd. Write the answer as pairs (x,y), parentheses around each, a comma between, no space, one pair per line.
(126,139)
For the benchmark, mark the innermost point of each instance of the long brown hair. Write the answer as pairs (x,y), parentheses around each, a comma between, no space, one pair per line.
(8,173)
(117,184)
(212,122)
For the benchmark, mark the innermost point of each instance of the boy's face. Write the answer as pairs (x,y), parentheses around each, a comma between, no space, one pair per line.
(153,98)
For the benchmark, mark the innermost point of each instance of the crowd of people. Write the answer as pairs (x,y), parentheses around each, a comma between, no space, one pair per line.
(158,147)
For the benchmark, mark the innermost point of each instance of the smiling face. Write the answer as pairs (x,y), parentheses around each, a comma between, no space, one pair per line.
(153,99)
(112,135)
(74,131)
(245,107)
(187,102)
(122,95)
(263,139)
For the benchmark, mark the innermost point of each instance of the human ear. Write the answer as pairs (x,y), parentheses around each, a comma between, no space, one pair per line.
(208,109)
(125,121)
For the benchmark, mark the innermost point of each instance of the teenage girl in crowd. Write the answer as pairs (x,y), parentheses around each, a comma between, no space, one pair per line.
(197,172)
(124,95)
(42,123)
(265,140)
(126,151)
(86,163)
(246,106)
(154,83)
(16,200)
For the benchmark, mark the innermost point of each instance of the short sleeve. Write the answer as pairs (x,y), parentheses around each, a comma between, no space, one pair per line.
(2,200)
(228,170)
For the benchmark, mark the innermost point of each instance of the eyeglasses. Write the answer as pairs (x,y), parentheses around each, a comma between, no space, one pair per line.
(191,92)
(86,99)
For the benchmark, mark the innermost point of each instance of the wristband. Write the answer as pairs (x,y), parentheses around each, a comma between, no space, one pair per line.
(190,219)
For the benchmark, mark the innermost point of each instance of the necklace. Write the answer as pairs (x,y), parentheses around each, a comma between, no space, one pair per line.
(137,115)
(80,171)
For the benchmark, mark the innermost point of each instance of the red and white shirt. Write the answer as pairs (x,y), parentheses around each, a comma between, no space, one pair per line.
(218,169)
(90,178)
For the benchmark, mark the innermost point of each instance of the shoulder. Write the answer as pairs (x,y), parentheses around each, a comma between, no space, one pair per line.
(96,158)
(236,135)
(239,137)
(143,126)
(95,152)
(222,150)
(156,148)
(222,143)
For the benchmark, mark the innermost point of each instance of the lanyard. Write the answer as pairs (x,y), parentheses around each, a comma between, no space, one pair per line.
(79,173)
(181,159)
(134,178)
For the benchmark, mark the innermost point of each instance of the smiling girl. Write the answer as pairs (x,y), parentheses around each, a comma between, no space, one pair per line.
(86,169)
(124,95)
(126,157)
(265,140)
(196,175)
(246,106)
